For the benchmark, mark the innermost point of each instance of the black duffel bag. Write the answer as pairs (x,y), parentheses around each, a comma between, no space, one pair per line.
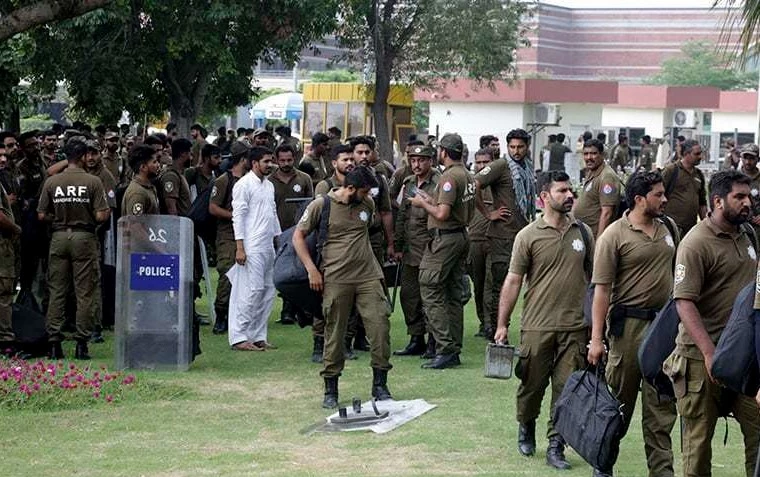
(290,276)
(658,343)
(589,419)
(735,361)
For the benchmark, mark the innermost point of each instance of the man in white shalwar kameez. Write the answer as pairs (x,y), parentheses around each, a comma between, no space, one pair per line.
(254,220)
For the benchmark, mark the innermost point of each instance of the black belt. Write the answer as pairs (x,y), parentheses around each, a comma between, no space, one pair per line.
(647,314)
(457,230)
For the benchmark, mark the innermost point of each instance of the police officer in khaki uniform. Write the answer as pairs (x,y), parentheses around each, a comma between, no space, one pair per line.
(620,154)
(396,182)
(8,230)
(289,183)
(646,156)
(512,184)
(220,206)
(343,163)
(443,263)
(316,160)
(749,156)
(176,191)
(75,202)
(599,196)
(633,274)
(714,262)
(551,253)
(349,276)
(141,198)
(685,187)
(201,177)
(478,258)
(411,238)
(111,158)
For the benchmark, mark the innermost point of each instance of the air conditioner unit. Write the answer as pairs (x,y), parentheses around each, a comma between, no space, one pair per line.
(546,113)
(684,118)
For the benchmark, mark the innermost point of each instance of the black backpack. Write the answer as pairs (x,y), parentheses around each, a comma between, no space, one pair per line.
(735,360)
(589,418)
(204,223)
(290,276)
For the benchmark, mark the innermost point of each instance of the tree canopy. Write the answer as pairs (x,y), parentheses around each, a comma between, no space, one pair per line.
(189,57)
(702,65)
(419,42)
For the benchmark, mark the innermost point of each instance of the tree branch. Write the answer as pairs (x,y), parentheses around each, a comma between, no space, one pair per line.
(25,18)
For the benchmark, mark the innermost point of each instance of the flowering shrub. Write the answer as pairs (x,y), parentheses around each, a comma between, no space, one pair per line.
(55,384)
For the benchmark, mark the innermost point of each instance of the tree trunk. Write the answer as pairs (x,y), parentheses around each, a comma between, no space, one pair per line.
(187,94)
(14,124)
(38,13)
(380,113)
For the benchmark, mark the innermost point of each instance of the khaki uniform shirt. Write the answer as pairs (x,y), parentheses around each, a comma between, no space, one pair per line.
(347,254)
(498,177)
(327,185)
(140,199)
(711,268)
(411,233)
(114,164)
(109,183)
(479,223)
(552,262)
(221,195)
(619,156)
(31,175)
(7,248)
(382,199)
(638,267)
(73,197)
(396,182)
(195,177)
(646,157)
(457,189)
(384,168)
(600,188)
(688,195)
(175,187)
(322,167)
(297,186)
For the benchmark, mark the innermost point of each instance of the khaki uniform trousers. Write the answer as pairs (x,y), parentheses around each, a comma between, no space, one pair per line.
(73,254)
(701,403)
(546,355)
(658,415)
(500,254)
(411,301)
(338,300)
(442,289)
(478,269)
(225,259)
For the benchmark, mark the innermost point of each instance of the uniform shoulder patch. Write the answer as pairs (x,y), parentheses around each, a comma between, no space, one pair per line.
(608,188)
(485,171)
(680,274)
(363,216)
(447,186)
(751,252)
(168,186)
(297,188)
(214,191)
(578,245)
(111,194)
(137,209)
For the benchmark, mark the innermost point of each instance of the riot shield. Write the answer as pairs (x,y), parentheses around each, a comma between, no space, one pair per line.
(154,292)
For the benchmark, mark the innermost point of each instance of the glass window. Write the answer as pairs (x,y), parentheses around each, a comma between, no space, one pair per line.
(336,115)
(355,119)
(315,118)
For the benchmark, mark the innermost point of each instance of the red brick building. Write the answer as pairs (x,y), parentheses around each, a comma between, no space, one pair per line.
(619,44)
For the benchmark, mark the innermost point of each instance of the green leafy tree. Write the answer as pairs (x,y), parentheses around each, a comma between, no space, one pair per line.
(701,64)
(335,76)
(192,58)
(18,16)
(418,43)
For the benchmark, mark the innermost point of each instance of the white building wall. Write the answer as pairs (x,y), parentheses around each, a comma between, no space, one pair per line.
(728,122)
(576,118)
(472,120)
(652,120)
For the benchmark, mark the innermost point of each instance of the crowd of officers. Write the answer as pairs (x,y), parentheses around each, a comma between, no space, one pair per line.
(638,243)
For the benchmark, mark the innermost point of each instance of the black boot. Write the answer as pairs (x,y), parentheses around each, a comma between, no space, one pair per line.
(81,351)
(287,315)
(55,351)
(220,325)
(331,393)
(415,347)
(319,349)
(380,384)
(430,352)
(347,350)
(600,473)
(442,361)
(526,438)
(555,454)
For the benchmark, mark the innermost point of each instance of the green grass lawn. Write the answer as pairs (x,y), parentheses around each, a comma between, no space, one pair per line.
(243,414)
